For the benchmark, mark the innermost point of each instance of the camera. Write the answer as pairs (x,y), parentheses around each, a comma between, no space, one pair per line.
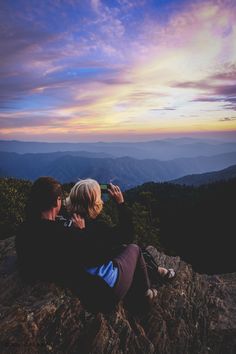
(104,187)
(65,222)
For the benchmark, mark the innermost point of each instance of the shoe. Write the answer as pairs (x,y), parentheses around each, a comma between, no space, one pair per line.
(170,274)
(151,294)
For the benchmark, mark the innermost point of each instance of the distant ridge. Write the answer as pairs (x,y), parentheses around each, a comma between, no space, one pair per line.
(166,149)
(125,171)
(209,177)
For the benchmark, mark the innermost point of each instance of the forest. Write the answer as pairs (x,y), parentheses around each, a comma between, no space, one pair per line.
(195,223)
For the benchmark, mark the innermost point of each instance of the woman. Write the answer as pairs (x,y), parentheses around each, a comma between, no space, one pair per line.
(104,254)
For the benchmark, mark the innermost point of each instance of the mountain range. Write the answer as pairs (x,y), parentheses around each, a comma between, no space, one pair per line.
(165,149)
(206,178)
(125,171)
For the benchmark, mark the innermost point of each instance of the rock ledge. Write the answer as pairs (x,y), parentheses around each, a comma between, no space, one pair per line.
(193,314)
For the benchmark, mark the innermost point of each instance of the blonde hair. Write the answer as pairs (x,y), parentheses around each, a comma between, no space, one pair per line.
(85,198)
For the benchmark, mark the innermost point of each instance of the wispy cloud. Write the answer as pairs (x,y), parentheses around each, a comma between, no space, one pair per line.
(227,119)
(93,64)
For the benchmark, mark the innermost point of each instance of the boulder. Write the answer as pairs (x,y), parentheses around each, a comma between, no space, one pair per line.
(193,313)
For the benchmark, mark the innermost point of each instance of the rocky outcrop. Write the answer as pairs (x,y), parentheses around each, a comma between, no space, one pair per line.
(193,314)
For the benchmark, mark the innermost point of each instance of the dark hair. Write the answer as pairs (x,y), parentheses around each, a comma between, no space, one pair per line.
(43,196)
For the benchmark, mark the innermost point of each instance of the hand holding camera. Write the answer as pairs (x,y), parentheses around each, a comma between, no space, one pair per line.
(116,193)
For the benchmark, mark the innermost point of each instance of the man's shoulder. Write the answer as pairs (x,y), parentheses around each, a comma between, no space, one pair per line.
(40,227)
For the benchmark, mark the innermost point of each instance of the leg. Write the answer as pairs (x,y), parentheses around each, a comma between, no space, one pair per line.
(132,271)
(152,265)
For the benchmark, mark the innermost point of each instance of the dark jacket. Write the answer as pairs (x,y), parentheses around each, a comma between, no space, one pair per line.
(100,242)
(46,250)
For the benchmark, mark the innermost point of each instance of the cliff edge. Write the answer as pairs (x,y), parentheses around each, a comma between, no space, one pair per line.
(193,314)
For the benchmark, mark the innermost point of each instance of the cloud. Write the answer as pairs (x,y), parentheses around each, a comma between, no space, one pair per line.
(225,90)
(36,60)
(228,73)
(108,21)
(95,63)
(219,87)
(25,119)
(163,109)
(227,119)
(95,4)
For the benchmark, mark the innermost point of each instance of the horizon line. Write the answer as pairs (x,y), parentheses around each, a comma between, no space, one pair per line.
(196,135)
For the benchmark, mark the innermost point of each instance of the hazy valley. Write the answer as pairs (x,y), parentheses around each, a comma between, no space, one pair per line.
(127,164)
(165,149)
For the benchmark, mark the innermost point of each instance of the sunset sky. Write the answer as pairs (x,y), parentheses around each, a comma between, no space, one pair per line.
(100,70)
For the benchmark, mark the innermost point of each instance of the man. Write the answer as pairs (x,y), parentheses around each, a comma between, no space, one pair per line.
(45,248)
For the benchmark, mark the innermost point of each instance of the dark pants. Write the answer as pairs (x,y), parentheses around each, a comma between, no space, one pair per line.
(133,276)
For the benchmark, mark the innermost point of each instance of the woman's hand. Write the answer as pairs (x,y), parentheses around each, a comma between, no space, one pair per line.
(116,193)
(78,221)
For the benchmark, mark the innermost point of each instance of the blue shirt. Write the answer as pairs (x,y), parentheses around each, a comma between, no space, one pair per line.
(107,272)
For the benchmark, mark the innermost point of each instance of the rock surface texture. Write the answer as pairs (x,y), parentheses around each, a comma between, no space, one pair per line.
(192,314)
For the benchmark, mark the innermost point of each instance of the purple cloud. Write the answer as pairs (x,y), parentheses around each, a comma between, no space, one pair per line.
(220,87)
(30,119)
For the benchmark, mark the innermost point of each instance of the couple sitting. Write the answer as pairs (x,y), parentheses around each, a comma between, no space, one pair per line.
(97,261)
